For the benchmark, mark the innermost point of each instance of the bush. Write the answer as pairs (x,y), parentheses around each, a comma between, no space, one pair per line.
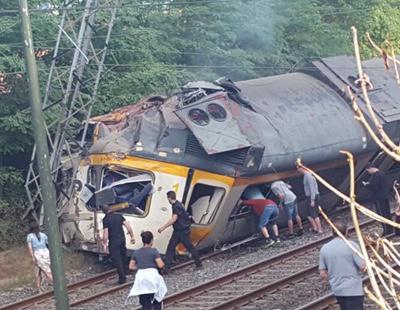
(12,228)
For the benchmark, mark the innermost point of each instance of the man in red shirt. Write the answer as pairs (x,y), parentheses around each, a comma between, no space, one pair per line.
(267,210)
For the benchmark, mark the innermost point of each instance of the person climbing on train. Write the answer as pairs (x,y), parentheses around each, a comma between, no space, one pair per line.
(113,234)
(181,223)
(267,211)
(312,197)
(37,246)
(149,285)
(289,200)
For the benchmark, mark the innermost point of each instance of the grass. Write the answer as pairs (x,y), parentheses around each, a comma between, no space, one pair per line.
(17,269)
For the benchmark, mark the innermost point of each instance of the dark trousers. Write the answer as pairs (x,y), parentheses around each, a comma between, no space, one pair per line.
(350,302)
(118,258)
(383,209)
(148,302)
(397,230)
(184,238)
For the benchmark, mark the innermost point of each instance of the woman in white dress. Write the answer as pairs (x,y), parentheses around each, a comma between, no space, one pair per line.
(37,246)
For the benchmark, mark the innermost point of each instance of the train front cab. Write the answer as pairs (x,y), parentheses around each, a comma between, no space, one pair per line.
(113,179)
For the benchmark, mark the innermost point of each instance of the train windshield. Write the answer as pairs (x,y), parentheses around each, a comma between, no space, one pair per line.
(125,191)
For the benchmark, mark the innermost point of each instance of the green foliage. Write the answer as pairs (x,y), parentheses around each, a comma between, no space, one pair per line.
(12,229)
(156,49)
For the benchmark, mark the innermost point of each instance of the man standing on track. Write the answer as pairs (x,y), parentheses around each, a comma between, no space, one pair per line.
(312,195)
(289,200)
(380,189)
(343,268)
(181,222)
(113,233)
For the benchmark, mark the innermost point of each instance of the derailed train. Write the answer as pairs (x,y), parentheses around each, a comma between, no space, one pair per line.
(211,141)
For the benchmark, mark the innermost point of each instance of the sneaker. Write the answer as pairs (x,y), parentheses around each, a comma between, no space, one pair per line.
(300,232)
(278,241)
(290,236)
(270,242)
(199,266)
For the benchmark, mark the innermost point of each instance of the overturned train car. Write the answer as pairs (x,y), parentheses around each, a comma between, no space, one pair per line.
(211,141)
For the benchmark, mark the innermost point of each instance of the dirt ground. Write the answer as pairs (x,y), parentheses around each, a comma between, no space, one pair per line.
(17,269)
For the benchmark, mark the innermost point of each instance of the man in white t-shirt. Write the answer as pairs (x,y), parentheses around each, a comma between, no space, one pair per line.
(289,200)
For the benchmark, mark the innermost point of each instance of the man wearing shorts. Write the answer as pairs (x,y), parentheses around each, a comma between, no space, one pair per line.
(312,195)
(267,211)
(289,200)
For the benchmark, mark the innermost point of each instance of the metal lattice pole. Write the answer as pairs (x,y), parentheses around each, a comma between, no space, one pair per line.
(74,76)
(42,152)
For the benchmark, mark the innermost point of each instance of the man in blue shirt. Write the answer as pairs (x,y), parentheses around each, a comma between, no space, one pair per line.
(343,268)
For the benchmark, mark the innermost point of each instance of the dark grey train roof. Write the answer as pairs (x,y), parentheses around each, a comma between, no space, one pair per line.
(255,126)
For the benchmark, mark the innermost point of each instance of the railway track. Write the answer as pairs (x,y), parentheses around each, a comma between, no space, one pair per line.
(328,301)
(81,292)
(104,283)
(288,276)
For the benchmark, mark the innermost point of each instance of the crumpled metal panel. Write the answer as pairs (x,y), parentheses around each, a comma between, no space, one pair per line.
(216,136)
(384,96)
(149,132)
(299,116)
(202,85)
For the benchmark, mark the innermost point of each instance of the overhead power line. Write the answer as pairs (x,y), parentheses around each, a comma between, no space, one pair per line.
(124,5)
(177,66)
(196,3)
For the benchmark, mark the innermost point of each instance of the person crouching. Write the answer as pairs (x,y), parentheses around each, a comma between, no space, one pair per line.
(267,211)
(149,285)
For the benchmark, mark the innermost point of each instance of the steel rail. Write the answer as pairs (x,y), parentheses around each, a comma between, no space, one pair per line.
(188,263)
(186,294)
(40,298)
(129,283)
(321,303)
(235,302)
(47,295)
(324,302)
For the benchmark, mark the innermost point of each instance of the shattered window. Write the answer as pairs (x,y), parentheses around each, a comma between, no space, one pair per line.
(127,191)
(199,117)
(251,192)
(217,112)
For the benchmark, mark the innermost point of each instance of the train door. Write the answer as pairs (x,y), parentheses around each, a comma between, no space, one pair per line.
(205,197)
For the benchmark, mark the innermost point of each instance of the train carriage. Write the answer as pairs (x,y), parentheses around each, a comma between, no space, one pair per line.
(210,141)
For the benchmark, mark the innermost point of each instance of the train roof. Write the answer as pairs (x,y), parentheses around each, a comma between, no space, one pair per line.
(253,127)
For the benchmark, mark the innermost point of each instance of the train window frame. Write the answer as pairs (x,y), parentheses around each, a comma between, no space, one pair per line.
(237,214)
(126,173)
(241,211)
(216,204)
(91,176)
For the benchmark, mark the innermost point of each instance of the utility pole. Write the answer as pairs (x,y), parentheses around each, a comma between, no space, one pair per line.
(42,157)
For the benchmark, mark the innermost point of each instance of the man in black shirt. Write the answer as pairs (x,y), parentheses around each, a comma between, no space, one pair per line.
(113,233)
(181,222)
(379,187)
